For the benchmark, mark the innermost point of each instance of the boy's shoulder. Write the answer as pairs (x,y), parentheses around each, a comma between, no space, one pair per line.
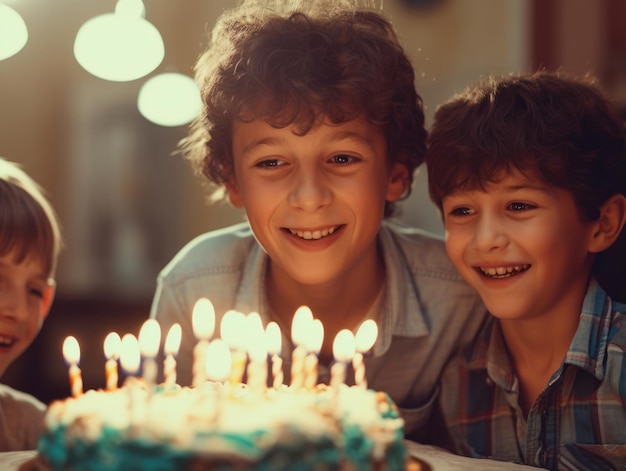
(424,251)
(220,250)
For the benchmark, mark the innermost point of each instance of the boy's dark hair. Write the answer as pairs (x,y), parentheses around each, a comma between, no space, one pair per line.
(292,68)
(562,129)
(28,223)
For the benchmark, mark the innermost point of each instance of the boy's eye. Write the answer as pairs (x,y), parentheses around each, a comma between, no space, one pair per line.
(36,292)
(461,211)
(269,163)
(518,206)
(343,159)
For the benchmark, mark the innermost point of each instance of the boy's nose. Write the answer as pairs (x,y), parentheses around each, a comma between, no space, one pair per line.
(490,235)
(310,192)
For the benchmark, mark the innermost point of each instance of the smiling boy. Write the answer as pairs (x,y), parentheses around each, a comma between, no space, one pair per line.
(312,124)
(530,175)
(30,242)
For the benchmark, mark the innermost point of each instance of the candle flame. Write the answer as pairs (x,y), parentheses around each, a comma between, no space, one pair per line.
(150,338)
(130,357)
(231,328)
(256,342)
(343,346)
(172,341)
(366,336)
(314,336)
(218,361)
(71,350)
(112,345)
(300,325)
(203,319)
(273,338)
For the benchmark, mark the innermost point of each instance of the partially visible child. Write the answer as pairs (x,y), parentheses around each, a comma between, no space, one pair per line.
(312,124)
(529,172)
(30,242)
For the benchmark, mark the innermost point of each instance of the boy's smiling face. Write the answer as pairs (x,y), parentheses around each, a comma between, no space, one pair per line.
(25,298)
(522,245)
(315,202)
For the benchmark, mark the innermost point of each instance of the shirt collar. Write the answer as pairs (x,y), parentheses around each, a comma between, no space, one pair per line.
(401,312)
(587,350)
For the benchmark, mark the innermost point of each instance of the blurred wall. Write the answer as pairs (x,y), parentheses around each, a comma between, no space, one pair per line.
(127,204)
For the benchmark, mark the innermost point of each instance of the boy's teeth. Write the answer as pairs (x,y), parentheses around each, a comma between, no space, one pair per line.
(504,272)
(5,340)
(308,235)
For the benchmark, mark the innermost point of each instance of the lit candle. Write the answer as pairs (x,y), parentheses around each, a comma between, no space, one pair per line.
(218,361)
(302,321)
(257,351)
(172,345)
(313,345)
(364,341)
(112,347)
(343,351)
(130,360)
(203,322)
(233,331)
(273,340)
(71,353)
(130,356)
(149,342)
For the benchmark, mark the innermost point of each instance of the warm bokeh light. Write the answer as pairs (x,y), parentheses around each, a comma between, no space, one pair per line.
(13,32)
(169,99)
(120,46)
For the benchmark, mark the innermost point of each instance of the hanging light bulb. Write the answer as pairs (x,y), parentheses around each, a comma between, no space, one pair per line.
(169,99)
(13,32)
(120,46)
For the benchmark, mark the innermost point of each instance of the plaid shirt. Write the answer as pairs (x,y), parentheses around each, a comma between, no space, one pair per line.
(579,420)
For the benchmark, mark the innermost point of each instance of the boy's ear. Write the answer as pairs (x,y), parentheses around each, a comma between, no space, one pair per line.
(610,223)
(233,194)
(398,182)
(48,297)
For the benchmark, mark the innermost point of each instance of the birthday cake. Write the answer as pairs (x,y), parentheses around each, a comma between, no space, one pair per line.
(223,427)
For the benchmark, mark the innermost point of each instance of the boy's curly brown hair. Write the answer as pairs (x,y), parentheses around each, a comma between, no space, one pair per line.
(295,67)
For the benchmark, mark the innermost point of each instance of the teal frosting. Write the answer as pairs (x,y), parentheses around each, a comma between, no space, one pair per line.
(64,450)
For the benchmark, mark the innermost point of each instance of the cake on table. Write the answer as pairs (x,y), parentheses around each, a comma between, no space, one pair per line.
(220,423)
(222,427)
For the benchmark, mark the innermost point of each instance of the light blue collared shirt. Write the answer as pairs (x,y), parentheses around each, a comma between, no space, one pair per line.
(427,311)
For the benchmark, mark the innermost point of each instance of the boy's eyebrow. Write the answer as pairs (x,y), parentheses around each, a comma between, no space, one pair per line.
(339,136)
(528,186)
(260,142)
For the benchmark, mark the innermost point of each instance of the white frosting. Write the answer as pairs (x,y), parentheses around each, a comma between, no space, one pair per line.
(201,418)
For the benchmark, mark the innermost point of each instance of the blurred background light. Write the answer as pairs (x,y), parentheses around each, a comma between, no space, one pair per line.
(13,32)
(169,99)
(120,46)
